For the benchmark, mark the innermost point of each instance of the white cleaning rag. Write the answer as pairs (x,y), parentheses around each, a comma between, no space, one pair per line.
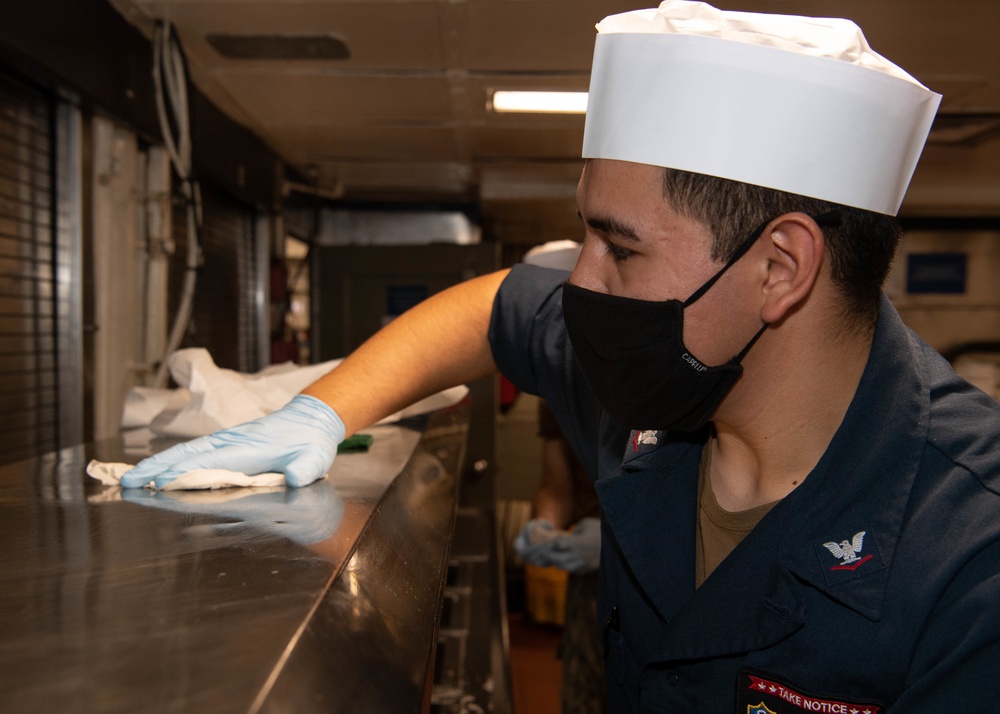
(110,474)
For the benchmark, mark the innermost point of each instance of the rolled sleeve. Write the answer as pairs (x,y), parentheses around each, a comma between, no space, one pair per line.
(527,309)
(530,347)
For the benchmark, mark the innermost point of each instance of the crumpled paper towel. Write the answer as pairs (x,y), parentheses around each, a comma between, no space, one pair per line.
(211,398)
(110,473)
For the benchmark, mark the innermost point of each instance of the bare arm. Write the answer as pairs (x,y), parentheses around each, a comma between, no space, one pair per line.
(441,342)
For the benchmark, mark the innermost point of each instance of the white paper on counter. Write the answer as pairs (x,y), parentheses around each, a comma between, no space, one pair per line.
(110,473)
(211,398)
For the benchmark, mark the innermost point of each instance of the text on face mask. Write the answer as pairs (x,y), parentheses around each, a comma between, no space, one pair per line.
(698,366)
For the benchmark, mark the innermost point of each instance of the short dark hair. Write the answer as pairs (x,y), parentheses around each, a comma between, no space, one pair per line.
(861,244)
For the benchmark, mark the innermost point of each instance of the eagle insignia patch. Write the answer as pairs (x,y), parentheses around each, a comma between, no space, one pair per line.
(849,552)
(645,441)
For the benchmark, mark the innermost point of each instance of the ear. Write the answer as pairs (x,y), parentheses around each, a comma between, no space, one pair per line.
(795,247)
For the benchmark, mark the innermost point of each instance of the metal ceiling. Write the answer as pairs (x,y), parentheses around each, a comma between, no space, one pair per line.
(405,116)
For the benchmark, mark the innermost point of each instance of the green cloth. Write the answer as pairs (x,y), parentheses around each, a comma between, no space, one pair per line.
(358,442)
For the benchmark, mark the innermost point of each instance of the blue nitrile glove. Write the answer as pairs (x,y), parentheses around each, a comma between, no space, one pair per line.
(578,551)
(299,440)
(535,540)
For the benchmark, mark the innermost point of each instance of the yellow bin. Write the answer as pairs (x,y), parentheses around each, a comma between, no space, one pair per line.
(545,590)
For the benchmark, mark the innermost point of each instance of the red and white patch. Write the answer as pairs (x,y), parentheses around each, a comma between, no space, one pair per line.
(757,692)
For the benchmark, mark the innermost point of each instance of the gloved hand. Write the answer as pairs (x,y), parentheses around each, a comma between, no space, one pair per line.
(299,440)
(578,551)
(534,540)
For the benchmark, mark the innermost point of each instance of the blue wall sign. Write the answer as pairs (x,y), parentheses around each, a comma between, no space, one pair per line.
(936,273)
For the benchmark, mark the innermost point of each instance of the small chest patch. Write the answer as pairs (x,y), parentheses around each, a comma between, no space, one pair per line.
(760,693)
(848,550)
(645,441)
(849,555)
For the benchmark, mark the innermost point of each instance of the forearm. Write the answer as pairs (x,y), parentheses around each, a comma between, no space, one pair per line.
(441,342)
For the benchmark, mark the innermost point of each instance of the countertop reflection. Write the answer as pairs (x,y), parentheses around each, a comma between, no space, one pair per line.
(240,600)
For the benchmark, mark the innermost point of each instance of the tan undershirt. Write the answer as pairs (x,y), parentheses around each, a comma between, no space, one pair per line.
(719,531)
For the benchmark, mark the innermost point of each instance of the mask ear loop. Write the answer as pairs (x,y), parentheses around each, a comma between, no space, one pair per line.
(740,252)
(829,218)
(824,219)
(753,340)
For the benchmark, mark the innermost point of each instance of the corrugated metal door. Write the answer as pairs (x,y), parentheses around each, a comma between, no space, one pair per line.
(33,321)
(224,319)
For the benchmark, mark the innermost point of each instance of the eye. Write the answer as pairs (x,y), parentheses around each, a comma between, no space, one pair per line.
(618,253)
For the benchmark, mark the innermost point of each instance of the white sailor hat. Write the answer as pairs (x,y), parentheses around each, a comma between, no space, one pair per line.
(558,254)
(792,103)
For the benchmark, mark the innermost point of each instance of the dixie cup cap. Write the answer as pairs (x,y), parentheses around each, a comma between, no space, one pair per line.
(792,103)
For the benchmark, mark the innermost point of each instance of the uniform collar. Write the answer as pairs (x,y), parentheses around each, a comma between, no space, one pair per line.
(640,504)
(861,484)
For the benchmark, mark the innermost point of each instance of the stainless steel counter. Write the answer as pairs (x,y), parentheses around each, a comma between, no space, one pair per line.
(324,598)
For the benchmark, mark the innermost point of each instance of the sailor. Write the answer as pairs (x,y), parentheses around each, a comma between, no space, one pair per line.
(799,497)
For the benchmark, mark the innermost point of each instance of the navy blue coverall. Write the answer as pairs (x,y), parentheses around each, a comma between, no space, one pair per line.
(874,586)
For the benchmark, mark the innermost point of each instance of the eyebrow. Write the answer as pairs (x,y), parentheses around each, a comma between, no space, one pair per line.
(609,224)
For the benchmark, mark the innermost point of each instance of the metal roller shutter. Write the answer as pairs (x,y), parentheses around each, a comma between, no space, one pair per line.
(224,319)
(32,323)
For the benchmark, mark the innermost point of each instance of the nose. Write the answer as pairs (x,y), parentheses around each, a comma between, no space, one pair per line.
(587,273)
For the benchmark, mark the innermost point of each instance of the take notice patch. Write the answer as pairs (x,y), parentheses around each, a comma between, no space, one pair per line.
(759,693)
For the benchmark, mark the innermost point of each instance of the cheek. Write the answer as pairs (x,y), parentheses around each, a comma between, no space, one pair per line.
(638,278)
(653,283)
(719,325)
(701,332)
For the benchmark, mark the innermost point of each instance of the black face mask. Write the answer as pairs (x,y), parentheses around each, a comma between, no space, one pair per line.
(632,354)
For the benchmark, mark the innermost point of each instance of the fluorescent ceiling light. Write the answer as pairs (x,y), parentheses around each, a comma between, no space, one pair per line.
(543,102)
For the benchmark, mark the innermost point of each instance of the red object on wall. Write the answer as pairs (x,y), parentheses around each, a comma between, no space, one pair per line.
(508,393)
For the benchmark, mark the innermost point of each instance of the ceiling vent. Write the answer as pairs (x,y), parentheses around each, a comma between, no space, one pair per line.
(279,47)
